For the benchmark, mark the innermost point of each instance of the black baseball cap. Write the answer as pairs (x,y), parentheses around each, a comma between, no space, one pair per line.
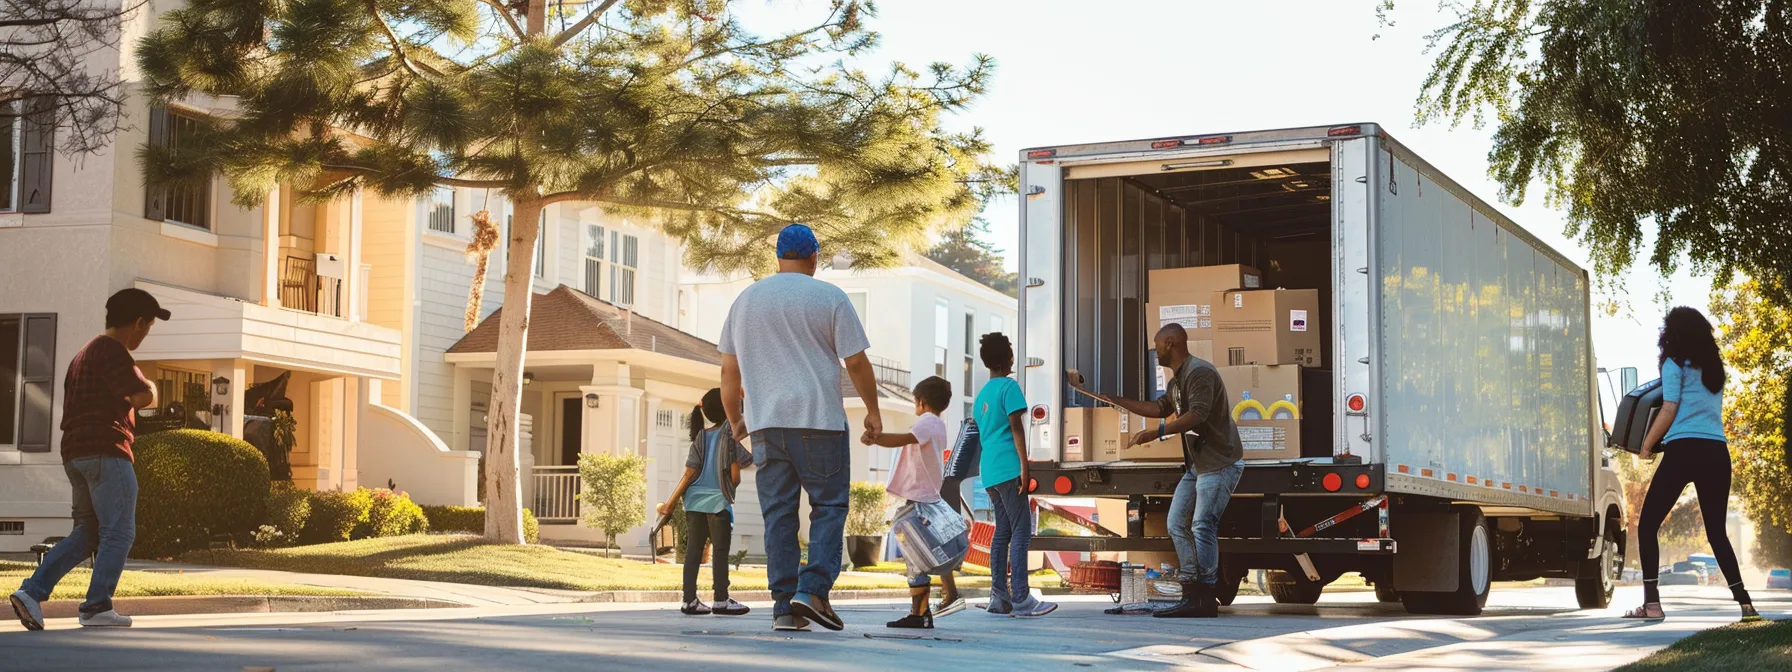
(132,304)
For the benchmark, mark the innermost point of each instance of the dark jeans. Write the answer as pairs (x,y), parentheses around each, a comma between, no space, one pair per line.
(1008,549)
(791,462)
(1705,464)
(718,530)
(105,512)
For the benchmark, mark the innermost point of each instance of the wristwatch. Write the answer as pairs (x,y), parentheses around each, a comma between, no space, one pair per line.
(1160,429)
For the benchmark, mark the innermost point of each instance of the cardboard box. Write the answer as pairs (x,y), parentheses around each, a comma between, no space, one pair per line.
(1096,430)
(1266,407)
(1268,327)
(1076,432)
(1185,296)
(1169,449)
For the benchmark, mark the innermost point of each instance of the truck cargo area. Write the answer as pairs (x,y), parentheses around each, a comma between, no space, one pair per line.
(1275,217)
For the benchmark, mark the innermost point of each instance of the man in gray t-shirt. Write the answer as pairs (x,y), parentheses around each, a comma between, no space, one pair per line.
(1212,454)
(782,346)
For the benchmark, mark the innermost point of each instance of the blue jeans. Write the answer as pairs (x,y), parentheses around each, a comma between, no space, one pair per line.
(791,462)
(105,513)
(1201,499)
(1008,548)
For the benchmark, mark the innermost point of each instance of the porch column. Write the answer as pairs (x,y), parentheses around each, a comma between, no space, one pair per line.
(236,371)
(462,399)
(596,422)
(351,267)
(270,249)
(354,404)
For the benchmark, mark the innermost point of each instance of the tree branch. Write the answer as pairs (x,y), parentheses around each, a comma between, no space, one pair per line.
(397,47)
(504,13)
(586,22)
(441,180)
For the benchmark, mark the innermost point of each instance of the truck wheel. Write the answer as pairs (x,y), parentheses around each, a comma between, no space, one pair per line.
(1227,590)
(1289,588)
(1474,572)
(1385,593)
(1598,576)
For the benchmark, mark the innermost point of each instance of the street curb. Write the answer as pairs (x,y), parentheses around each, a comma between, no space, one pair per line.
(245,604)
(675,596)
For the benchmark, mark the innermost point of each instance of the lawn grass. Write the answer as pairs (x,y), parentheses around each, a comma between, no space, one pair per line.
(156,584)
(1743,647)
(469,559)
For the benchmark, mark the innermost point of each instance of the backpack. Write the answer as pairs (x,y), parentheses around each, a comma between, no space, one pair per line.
(933,537)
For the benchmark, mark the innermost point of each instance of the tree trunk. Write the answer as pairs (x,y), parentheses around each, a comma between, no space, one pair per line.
(503,508)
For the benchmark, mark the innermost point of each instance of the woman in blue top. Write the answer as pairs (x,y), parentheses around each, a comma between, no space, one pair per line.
(1690,431)
(711,473)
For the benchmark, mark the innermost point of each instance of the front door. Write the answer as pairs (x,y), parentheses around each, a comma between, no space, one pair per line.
(572,429)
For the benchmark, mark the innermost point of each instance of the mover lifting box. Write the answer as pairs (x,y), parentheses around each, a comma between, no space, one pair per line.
(1268,327)
(1185,296)
(1169,449)
(1266,407)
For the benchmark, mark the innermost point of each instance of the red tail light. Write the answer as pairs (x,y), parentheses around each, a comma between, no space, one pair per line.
(1032,485)
(1039,414)
(1362,481)
(1332,482)
(1166,144)
(1356,403)
(1344,130)
(1214,140)
(1062,485)
(1042,153)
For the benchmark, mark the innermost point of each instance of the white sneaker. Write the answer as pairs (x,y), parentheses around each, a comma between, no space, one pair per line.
(105,619)
(944,609)
(28,610)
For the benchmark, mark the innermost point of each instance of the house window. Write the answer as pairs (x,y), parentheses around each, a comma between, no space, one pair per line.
(27,377)
(441,210)
(970,350)
(594,259)
(185,204)
(541,246)
(942,332)
(12,132)
(624,259)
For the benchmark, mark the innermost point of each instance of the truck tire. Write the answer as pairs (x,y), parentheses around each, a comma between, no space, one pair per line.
(1288,588)
(1385,593)
(1227,590)
(1598,576)
(1474,571)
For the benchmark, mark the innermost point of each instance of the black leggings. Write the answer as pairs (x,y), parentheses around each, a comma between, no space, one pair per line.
(718,530)
(1706,465)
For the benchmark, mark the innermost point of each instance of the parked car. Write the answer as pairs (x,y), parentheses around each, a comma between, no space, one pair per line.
(1631,575)
(1709,562)
(1696,569)
(1779,578)
(1680,574)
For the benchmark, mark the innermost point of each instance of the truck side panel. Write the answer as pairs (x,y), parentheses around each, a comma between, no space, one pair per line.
(1038,358)
(1483,349)
(1353,247)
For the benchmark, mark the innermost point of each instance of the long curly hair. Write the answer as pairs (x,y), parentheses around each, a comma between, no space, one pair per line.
(1686,338)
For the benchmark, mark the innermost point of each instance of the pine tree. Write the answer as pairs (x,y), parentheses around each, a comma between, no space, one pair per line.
(666,110)
(965,251)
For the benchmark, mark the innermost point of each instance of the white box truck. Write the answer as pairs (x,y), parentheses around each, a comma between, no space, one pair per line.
(1450,436)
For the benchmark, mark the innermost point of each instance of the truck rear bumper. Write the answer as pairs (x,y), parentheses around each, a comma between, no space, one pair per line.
(1272,546)
(1159,480)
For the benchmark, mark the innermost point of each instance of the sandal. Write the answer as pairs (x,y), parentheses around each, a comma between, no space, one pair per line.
(1642,612)
(1749,615)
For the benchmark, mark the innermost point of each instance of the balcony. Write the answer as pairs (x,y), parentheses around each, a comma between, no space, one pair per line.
(890,373)
(303,288)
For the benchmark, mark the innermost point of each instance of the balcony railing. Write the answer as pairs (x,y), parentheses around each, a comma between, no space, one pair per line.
(889,372)
(301,288)
(557,494)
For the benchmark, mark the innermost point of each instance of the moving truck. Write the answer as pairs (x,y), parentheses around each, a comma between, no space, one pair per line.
(1449,432)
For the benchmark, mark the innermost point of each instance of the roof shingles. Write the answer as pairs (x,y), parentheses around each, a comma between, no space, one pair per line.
(567,319)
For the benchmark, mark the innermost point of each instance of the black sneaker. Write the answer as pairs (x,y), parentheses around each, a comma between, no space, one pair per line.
(695,607)
(911,621)
(816,610)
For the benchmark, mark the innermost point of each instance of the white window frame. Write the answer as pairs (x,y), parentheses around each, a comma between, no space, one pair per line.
(541,246)
(592,271)
(439,197)
(18,159)
(9,441)
(625,267)
(942,337)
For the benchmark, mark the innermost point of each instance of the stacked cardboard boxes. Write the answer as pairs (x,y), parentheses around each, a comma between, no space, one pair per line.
(1185,296)
(1268,327)
(1092,434)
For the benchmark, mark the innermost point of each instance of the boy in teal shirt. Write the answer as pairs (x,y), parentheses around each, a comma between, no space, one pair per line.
(998,411)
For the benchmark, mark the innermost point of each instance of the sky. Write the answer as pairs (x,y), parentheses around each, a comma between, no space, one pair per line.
(1071,72)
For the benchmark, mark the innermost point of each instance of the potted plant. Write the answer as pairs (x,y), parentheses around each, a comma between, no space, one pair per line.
(865,524)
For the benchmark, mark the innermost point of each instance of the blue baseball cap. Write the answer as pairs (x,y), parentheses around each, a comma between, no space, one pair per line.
(797,242)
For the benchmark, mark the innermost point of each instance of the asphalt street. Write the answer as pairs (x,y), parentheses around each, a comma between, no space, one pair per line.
(1539,628)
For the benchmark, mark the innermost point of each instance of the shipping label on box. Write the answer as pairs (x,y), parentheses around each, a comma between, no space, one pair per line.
(1185,295)
(1270,439)
(1266,327)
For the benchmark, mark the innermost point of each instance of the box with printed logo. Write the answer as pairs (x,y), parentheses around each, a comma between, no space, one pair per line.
(1266,407)
(1266,327)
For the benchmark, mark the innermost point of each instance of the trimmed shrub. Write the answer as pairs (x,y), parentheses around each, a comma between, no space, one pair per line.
(288,509)
(865,510)
(471,520)
(615,495)
(193,485)
(392,515)
(335,515)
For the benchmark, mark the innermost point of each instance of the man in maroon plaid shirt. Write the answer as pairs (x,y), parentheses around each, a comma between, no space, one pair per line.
(100,398)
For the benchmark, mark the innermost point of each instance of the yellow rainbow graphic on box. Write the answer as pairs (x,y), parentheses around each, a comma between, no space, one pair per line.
(1251,409)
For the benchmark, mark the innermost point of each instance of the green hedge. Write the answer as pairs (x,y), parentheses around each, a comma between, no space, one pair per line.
(288,510)
(193,485)
(392,515)
(335,515)
(471,520)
